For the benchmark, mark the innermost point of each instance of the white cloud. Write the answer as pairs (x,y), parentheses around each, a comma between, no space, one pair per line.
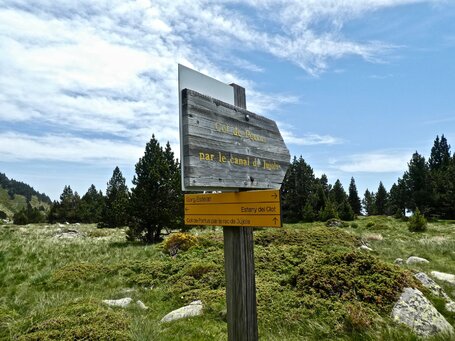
(309,139)
(110,67)
(373,162)
(15,147)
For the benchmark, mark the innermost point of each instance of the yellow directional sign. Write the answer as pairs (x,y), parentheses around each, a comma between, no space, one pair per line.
(253,208)
(233,197)
(237,209)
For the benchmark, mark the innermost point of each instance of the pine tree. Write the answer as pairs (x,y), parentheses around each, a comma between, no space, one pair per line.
(324,181)
(450,203)
(397,199)
(91,206)
(369,202)
(20,218)
(439,169)
(308,214)
(328,212)
(353,198)
(67,209)
(115,211)
(417,222)
(417,182)
(319,197)
(33,214)
(337,194)
(54,212)
(339,198)
(156,199)
(381,199)
(345,211)
(440,154)
(298,186)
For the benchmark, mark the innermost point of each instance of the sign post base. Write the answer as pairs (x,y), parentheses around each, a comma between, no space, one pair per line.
(240,283)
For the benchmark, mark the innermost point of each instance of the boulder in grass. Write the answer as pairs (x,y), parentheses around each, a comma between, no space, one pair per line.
(193,309)
(365,247)
(414,310)
(416,260)
(431,285)
(442,276)
(436,290)
(141,305)
(122,302)
(398,261)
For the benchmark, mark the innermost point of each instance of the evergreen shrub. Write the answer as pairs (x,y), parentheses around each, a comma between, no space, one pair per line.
(20,218)
(398,214)
(417,223)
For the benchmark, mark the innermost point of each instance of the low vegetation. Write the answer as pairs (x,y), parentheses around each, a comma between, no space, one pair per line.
(313,281)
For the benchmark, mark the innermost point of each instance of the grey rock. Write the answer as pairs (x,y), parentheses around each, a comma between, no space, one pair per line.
(122,302)
(69,234)
(141,305)
(366,248)
(334,223)
(442,276)
(436,290)
(416,260)
(398,261)
(431,285)
(193,309)
(414,310)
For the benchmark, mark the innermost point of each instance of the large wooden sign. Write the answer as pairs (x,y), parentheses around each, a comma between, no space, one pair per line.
(253,208)
(227,147)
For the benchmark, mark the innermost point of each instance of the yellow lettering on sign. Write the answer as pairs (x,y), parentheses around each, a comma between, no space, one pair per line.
(222,158)
(271,166)
(241,161)
(206,156)
(254,137)
(236,131)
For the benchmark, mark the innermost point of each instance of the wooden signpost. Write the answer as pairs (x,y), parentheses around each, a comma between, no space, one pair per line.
(224,147)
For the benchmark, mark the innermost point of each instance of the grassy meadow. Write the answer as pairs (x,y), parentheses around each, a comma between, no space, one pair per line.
(313,282)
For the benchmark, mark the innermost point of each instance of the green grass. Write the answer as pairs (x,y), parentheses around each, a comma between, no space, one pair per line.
(312,282)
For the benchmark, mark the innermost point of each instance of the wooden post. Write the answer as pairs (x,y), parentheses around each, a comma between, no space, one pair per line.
(239,269)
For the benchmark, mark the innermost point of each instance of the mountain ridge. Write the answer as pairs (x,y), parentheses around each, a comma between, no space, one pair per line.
(15,195)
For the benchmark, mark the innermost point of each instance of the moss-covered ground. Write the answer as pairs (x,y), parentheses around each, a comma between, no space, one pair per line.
(313,282)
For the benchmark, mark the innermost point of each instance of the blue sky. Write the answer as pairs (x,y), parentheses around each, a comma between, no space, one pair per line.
(356,86)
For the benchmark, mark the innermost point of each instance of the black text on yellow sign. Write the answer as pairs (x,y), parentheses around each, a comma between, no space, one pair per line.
(253,208)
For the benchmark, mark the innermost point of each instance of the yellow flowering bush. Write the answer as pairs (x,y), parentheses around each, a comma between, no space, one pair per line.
(179,242)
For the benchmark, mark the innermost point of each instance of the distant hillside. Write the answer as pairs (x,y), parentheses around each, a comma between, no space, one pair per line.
(14,195)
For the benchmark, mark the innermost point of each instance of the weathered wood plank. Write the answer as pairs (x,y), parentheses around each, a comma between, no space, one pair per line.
(226,146)
(212,145)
